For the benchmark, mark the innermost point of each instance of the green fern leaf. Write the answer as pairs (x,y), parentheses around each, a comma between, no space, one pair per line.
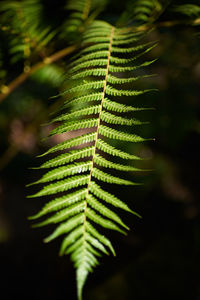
(66,227)
(118,135)
(102,145)
(130,49)
(89,63)
(83,99)
(95,47)
(100,175)
(86,86)
(81,112)
(98,54)
(73,142)
(99,207)
(63,185)
(117,69)
(115,92)
(62,215)
(68,157)
(95,243)
(100,237)
(60,203)
(62,172)
(94,73)
(109,198)
(113,119)
(101,161)
(116,80)
(129,40)
(106,223)
(97,39)
(119,107)
(74,125)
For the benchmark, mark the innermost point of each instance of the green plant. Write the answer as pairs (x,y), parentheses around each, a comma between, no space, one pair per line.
(107,64)
(94,77)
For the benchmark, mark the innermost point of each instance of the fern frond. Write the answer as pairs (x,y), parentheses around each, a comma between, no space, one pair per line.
(73,142)
(105,147)
(113,119)
(94,48)
(98,54)
(130,49)
(119,135)
(86,86)
(142,11)
(95,243)
(83,99)
(99,26)
(82,11)
(52,74)
(103,176)
(68,157)
(109,198)
(93,110)
(116,80)
(60,203)
(63,185)
(130,40)
(100,237)
(119,107)
(101,161)
(74,125)
(66,227)
(62,172)
(29,34)
(190,10)
(124,34)
(92,103)
(97,39)
(94,72)
(117,69)
(100,220)
(99,207)
(62,215)
(87,64)
(71,249)
(116,92)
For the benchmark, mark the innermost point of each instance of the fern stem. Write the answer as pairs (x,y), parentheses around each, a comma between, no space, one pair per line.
(95,147)
(99,120)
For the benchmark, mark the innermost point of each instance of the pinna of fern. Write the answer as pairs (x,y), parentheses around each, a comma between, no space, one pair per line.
(81,12)
(95,108)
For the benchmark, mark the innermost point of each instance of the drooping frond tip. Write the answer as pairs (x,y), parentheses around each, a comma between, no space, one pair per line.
(79,173)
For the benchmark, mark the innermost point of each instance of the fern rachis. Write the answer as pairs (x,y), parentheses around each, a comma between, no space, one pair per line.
(81,274)
(75,211)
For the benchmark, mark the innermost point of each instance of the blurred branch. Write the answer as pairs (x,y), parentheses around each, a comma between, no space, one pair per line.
(166,24)
(175,23)
(6,90)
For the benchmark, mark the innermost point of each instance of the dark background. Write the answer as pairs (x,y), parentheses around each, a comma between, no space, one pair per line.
(160,256)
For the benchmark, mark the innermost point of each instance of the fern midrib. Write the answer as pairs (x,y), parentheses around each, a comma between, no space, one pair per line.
(97,135)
